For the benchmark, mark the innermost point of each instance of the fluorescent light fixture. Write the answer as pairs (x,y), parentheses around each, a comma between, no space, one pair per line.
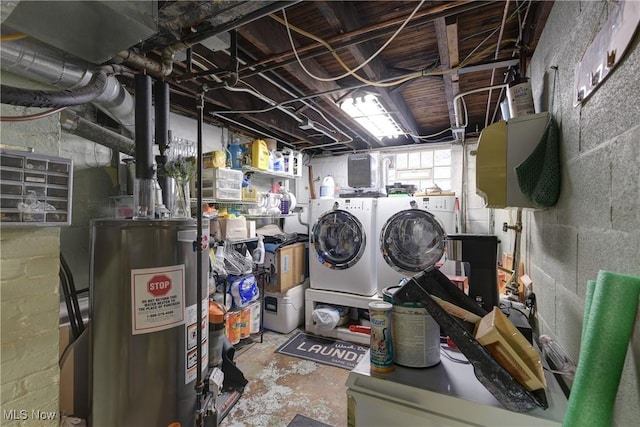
(370,113)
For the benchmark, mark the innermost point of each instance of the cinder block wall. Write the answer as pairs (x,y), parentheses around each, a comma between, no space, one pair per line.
(29,297)
(596,223)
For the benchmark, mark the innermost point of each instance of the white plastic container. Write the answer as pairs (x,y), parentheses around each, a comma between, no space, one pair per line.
(292,162)
(327,188)
(259,252)
(283,312)
(520,98)
(278,161)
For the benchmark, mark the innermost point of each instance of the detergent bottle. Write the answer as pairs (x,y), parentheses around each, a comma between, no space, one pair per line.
(260,155)
(259,252)
(236,152)
(278,161)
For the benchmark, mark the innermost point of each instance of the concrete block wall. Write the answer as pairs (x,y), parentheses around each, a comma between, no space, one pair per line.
(476,216)
(29,300)
(596,223)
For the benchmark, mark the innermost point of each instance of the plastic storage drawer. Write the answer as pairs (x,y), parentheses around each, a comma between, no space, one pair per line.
(35,190)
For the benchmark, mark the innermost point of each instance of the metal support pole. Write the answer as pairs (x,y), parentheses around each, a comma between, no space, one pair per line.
(199,385)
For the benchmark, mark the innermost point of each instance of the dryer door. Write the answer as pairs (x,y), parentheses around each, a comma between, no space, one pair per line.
(339,239)
(412,241)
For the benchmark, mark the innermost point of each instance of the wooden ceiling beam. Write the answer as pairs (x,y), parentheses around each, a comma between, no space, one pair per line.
(342,17)
(447,36)
(362,34)
(270,37)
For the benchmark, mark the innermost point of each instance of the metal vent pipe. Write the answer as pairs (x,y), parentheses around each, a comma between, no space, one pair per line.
(42,63)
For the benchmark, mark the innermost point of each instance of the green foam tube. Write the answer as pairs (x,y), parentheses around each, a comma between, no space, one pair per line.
(591,287)
(606,334)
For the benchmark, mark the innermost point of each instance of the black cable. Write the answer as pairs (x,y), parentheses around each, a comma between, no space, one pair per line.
(64,284)
(443,351)
(74,312)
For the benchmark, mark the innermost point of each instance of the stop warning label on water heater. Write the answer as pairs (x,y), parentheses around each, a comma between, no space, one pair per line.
(157,298)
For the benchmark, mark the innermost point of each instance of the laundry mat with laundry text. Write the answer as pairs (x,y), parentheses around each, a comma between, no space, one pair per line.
(323,350)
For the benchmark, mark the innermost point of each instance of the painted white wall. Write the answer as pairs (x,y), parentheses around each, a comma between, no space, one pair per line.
(213,137)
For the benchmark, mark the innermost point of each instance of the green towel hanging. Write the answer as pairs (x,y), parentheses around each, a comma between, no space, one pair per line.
(539,174)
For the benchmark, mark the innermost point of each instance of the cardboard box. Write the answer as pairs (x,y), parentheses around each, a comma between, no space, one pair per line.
(300,262)
(287,266)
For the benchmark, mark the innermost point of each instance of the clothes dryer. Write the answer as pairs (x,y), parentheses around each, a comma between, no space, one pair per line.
(342,250)
(411,238)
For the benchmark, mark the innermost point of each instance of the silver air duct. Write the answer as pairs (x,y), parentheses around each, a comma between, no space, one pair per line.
(42,63)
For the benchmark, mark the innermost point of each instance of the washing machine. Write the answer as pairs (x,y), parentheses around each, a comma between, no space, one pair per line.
(342,247)
(410,233)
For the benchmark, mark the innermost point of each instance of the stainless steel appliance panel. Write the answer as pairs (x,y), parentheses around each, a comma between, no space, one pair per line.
(139,380)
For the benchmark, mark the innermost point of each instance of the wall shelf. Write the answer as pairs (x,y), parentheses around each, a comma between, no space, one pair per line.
(224,201)
(272,174)
(279,216)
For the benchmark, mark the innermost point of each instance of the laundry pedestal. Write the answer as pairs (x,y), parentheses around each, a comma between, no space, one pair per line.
(313,296)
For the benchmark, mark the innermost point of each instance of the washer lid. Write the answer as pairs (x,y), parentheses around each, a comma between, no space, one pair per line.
(412,240)
(339,239)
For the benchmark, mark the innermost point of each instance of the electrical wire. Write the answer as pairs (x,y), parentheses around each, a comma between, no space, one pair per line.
(263,98)
(309,105)
(430,136)
(330,144)
(471,57)
(31,116)
(12,37)
(325,44)
(279,106)
(445,353)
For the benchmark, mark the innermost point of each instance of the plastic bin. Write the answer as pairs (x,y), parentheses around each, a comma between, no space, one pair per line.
(35,190)
(283,312)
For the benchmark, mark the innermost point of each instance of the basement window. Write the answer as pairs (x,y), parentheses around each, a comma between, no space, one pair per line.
(426,169)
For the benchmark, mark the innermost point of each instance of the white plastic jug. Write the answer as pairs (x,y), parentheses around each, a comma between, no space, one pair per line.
(292,162)
(288,161)
(327,188)
(278,161)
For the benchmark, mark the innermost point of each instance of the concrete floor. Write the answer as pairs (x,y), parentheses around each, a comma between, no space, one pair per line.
(282,386)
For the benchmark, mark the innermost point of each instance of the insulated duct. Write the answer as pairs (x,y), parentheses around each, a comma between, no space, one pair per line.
(161,104)
(80,126)
(144,139)
(64,98)
(44,64)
